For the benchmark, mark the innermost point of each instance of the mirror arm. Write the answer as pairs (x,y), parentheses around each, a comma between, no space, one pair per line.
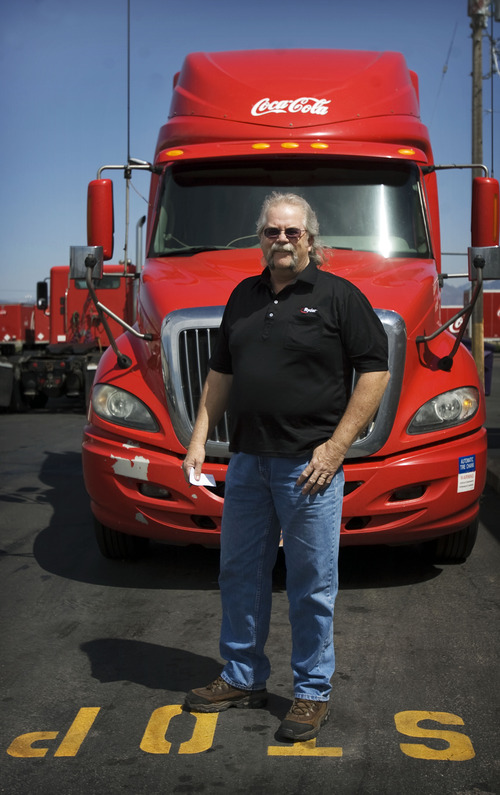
(446,362)
(122,359)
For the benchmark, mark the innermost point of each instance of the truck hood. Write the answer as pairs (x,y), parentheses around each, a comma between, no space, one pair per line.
(408,286)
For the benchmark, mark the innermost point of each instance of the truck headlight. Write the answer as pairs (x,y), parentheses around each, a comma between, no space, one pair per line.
(121,407)
(446,410)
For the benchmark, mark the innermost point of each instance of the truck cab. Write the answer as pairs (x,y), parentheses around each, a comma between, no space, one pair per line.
(341,128)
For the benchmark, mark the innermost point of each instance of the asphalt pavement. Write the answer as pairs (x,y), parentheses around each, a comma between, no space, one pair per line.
(96,655)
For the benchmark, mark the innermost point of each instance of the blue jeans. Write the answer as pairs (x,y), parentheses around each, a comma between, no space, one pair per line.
(262,500)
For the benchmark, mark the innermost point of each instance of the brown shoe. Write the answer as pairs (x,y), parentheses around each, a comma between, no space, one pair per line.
(218,696)
(304,719)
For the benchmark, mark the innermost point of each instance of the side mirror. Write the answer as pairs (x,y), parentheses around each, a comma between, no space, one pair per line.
(42,295)
(485,212)
(77,262)
(100,216)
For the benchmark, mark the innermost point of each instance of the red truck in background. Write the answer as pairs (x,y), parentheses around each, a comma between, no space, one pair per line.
(491,311)
(52,348)
(342,128)
(491,315)
(491,321)
(20,326)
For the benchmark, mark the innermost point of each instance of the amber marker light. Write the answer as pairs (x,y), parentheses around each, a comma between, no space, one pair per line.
(261,146)
(406,151)
(319,146)
(175,152)
(289,145)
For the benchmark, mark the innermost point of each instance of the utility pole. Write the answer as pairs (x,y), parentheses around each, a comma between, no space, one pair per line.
(478,12)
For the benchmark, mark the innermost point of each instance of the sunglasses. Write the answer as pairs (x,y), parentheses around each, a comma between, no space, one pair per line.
(292,233)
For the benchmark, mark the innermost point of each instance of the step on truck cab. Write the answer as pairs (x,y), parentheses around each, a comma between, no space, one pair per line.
(341,128)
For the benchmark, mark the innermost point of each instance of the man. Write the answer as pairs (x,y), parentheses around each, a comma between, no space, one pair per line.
(289,341)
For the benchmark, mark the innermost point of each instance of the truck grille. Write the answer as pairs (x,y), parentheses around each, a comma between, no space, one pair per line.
(188,338)
(195,350)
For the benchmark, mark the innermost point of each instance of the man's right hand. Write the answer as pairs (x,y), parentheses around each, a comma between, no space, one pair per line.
(213,402)
(194,459)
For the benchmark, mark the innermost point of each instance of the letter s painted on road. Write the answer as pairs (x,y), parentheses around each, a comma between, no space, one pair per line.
(459,747)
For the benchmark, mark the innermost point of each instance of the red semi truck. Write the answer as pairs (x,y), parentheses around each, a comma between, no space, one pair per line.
(342,128)
(491,314)
(19,327)
(52,348)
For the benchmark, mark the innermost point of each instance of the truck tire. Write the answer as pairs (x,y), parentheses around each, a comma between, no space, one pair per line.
(18,402)
(454,548)
(38,401)
(118,546)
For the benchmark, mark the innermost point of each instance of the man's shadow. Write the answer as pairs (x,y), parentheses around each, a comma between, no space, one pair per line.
(156,667)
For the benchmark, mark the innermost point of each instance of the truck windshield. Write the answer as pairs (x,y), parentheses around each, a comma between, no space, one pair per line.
(361,207)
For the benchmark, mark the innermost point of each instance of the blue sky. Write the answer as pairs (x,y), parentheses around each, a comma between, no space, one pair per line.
(63,100)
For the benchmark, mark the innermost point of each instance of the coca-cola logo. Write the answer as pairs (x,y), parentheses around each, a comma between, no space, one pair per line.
(317,107)
(456,326)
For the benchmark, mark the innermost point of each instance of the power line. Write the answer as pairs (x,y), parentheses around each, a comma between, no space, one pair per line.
(445,69)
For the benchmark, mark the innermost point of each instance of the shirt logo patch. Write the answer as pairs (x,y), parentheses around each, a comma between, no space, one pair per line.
(307,310)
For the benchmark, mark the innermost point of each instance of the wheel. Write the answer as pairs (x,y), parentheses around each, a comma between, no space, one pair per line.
(38,401)
(118,546)
(18,402)
(454,548)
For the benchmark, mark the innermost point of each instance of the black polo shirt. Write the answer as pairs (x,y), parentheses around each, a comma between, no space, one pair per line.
(292,357)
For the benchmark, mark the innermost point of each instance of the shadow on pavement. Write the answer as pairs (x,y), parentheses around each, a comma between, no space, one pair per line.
(158,667)
(488,513)
(148,664)
(67,548)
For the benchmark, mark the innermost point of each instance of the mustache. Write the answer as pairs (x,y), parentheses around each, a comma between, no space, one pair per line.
(282,247)
(287,248)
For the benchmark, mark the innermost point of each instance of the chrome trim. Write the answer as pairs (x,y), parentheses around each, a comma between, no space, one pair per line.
(381,427)
(181,396)
(188,336)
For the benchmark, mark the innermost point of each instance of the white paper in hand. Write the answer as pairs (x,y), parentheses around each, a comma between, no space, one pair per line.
(205,480)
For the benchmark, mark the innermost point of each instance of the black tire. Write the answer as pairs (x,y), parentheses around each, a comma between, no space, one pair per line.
(454,548)
(18,402)
(118,546)
(39,401)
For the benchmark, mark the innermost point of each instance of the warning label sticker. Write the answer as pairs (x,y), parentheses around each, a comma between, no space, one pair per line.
(466,473)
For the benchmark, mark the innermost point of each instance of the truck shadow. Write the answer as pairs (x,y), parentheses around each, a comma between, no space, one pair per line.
(489,513)
(60,405)
(67,548)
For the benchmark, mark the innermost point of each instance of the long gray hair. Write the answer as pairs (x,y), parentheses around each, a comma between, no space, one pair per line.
(311,224)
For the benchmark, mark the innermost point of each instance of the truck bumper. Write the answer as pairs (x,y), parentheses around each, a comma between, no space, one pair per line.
(142,491)
(406,498)
(424,494)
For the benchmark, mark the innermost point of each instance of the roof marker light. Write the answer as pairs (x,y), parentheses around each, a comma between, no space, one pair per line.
(175,152)
(319,146)
(261,146)
(290,145)
(406,151)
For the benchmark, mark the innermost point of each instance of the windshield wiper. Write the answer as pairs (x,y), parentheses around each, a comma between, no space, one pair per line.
(188,250)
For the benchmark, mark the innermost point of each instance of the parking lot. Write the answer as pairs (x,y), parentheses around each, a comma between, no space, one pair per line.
(97,655)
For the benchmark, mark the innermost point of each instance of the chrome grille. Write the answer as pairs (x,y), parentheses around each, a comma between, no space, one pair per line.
(188,338)
(195,350)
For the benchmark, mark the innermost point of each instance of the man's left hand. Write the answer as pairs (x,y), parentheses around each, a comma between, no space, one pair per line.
(328,457)
(319,473)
